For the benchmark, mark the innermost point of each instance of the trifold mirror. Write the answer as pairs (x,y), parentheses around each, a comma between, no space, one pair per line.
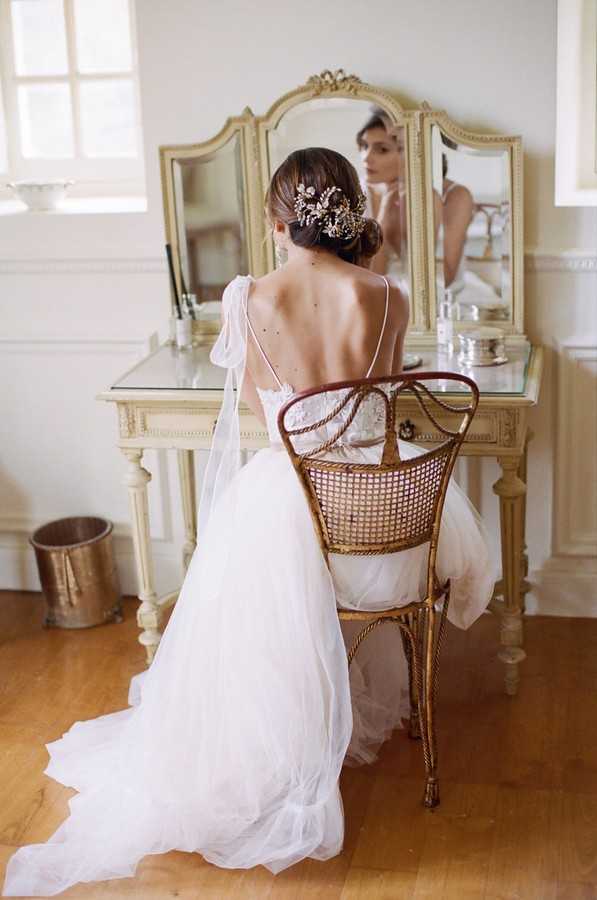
(449,201)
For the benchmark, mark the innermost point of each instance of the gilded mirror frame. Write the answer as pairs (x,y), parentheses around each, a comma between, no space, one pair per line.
(244,127)
(417,122)
(335,85)
(512,145)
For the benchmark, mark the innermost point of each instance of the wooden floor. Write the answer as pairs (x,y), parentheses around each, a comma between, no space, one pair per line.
(518,817)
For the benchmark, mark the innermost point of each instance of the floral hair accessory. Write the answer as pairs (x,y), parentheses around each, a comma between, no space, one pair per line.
(331,210)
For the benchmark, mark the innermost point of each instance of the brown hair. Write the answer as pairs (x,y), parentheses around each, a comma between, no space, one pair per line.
(320,168)
(378,118)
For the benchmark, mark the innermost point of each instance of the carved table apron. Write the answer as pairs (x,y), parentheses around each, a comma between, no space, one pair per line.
(171,400)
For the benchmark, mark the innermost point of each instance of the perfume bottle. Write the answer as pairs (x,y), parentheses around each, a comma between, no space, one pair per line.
(445,322)
(184,333)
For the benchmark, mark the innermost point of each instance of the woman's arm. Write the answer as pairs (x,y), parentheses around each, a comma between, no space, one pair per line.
(438,212)
(389,217)
(458,212)
(250,396)
(248,392)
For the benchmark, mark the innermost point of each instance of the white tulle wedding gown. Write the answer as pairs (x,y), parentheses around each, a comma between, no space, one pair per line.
(236,734)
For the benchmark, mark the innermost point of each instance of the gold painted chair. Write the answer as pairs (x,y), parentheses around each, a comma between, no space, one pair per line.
(393,505)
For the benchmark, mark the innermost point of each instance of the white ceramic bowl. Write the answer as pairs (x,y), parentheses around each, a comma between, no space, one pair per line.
(41,195)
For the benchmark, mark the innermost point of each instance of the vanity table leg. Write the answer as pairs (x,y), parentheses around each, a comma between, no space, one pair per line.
(522,474)
(148,614)
(511,490)
(186,473)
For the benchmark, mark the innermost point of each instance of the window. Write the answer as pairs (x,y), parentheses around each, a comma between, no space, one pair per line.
(70,104)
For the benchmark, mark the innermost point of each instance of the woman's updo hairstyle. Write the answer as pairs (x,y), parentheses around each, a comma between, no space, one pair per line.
(321,169)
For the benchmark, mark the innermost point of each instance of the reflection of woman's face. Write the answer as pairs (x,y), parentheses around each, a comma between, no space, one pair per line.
(382,156)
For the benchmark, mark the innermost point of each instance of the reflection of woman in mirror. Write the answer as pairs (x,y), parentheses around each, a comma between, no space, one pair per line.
(454,210)
(382,155)
(242,722)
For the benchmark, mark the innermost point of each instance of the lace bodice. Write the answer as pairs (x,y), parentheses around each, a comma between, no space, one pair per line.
(366,428)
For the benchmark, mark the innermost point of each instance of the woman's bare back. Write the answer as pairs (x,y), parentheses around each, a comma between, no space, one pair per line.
(319,322)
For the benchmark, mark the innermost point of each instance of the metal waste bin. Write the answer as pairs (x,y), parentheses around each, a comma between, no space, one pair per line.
(77,572)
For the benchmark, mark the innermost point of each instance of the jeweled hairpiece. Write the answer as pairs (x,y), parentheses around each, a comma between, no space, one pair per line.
(331,209)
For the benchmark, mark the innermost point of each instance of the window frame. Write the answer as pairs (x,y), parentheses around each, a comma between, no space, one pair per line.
(96,176)
(576,104)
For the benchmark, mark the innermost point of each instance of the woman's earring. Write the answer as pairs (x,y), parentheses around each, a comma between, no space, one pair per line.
(281,254)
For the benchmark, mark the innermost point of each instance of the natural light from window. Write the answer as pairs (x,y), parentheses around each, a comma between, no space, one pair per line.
(70,93)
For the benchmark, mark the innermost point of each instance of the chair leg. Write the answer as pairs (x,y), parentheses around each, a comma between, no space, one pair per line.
(427,628)
(414,725)
(430,647)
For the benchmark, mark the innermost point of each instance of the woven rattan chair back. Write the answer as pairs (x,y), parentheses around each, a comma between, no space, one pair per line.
(394,504)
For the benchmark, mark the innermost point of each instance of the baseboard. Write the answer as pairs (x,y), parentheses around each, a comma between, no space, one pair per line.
(565,586)
(18,568)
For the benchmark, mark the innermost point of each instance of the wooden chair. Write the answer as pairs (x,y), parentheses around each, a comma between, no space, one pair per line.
(387,507)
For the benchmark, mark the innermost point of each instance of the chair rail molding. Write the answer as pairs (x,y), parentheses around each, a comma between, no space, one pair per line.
(17,561)
(536,260)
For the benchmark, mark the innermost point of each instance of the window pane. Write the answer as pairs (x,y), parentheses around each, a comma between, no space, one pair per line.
(46,121)
(108,117)
(39,37)
(103,36)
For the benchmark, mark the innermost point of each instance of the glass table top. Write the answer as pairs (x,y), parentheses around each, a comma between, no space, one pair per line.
(169,368)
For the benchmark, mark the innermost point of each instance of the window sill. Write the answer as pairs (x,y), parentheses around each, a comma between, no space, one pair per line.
(78,206)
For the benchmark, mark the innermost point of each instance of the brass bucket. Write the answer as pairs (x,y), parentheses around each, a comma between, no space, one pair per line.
(77,572)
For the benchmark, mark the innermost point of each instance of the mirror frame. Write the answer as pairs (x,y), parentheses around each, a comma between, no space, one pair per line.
(244,127)
(253,133)
(512,145)
(333,85)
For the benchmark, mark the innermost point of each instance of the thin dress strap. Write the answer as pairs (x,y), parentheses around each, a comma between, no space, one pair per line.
(447,191)
(259,347)
(383,328)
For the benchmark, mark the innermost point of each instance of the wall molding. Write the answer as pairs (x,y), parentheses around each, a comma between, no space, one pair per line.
(97,266)
(17,560)
(578,262)
(564,586)
(576,366)
(110,346)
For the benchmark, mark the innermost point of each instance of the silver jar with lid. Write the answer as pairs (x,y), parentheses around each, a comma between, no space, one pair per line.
(482,347)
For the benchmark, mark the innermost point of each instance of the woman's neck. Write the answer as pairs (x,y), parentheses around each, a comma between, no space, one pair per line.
(311,256)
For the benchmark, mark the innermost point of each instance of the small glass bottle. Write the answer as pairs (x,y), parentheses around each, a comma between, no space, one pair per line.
(445,322)
(184,333)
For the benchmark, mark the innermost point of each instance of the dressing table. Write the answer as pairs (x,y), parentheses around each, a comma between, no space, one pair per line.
(171,399)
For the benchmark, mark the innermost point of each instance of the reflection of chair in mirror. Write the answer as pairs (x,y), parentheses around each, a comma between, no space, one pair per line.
(491,213)
(219,242)
(371,509)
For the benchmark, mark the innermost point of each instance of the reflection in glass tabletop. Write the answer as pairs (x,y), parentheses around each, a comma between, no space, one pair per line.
(172,369)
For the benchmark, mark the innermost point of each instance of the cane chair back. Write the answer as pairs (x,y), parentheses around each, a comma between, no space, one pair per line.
(392,505)
(384,507)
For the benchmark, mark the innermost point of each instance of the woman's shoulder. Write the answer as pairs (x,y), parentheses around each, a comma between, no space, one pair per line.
(457,193)
(368,283)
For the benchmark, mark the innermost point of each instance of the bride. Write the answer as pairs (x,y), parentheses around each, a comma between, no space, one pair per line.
(235,736)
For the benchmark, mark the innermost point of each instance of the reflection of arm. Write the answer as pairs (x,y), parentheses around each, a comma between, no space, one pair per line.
(458,212)
(248,392)
(390,216)
(438,212)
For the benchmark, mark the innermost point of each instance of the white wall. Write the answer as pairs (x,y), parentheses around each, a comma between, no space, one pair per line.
(97,288)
